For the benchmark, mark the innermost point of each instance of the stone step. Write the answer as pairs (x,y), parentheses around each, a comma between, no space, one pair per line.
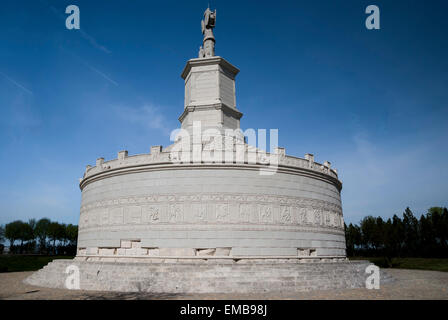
(197,278)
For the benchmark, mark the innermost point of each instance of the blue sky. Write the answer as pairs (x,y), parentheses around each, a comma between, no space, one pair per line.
(373,102)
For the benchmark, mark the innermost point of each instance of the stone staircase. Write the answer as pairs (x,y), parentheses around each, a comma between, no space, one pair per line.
(207,277)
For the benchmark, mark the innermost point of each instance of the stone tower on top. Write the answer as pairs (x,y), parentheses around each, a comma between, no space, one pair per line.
(210,86)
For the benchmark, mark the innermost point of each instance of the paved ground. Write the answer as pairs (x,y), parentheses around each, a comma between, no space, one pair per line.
(409,284)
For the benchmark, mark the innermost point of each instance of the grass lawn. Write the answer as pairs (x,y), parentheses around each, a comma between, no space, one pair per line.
(409,263)
(14,263)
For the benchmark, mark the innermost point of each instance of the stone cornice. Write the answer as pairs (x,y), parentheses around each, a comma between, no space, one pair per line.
(209,61)
(217,106)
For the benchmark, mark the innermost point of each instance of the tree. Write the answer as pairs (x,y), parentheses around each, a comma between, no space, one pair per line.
(353,238)
(411,235)
(63,237)
(439,223)
(32,224)
(434,231)
(423,237)
(388,242)
(25,234)
(368,226)
(72,234)
(55,233)
(397,235)
(13,232)
(444,228)
(2,234)
(41,232)
(357,236)
(378,236)
(71,237)
(427,236)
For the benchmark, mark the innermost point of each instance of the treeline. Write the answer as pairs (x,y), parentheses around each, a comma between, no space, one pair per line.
(400,237)
(43,236)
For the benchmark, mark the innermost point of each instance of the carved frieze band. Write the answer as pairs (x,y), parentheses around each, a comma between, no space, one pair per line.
(212,208)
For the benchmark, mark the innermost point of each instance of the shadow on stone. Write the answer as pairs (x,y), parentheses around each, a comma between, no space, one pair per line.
(129,296)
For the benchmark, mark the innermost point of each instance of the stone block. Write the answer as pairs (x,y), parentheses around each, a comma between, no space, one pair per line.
(222,261)
(205,252)
(170,261)
(136,244)
(106,251)
(142,251)
(131,252)
(156,150)
(223,251)
(99,162)
(92,250)
(126,244)
(280,151)
(309,157)
(154,252)
(121,251)
(193,261)
(122,154)
(177,252)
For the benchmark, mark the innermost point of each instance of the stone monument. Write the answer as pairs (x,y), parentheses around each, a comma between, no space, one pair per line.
(168,222)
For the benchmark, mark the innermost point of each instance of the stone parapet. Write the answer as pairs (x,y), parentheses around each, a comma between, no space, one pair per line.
(159,157)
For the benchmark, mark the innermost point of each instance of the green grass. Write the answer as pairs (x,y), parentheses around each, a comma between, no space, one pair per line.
(15,263)
(409,263)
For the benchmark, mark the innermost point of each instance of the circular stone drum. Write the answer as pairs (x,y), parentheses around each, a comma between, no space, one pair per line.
(145,206)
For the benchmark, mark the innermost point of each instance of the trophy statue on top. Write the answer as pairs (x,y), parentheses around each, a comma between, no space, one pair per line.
(208,45)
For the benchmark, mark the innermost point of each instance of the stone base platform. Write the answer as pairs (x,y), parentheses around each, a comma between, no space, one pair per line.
(207,276)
